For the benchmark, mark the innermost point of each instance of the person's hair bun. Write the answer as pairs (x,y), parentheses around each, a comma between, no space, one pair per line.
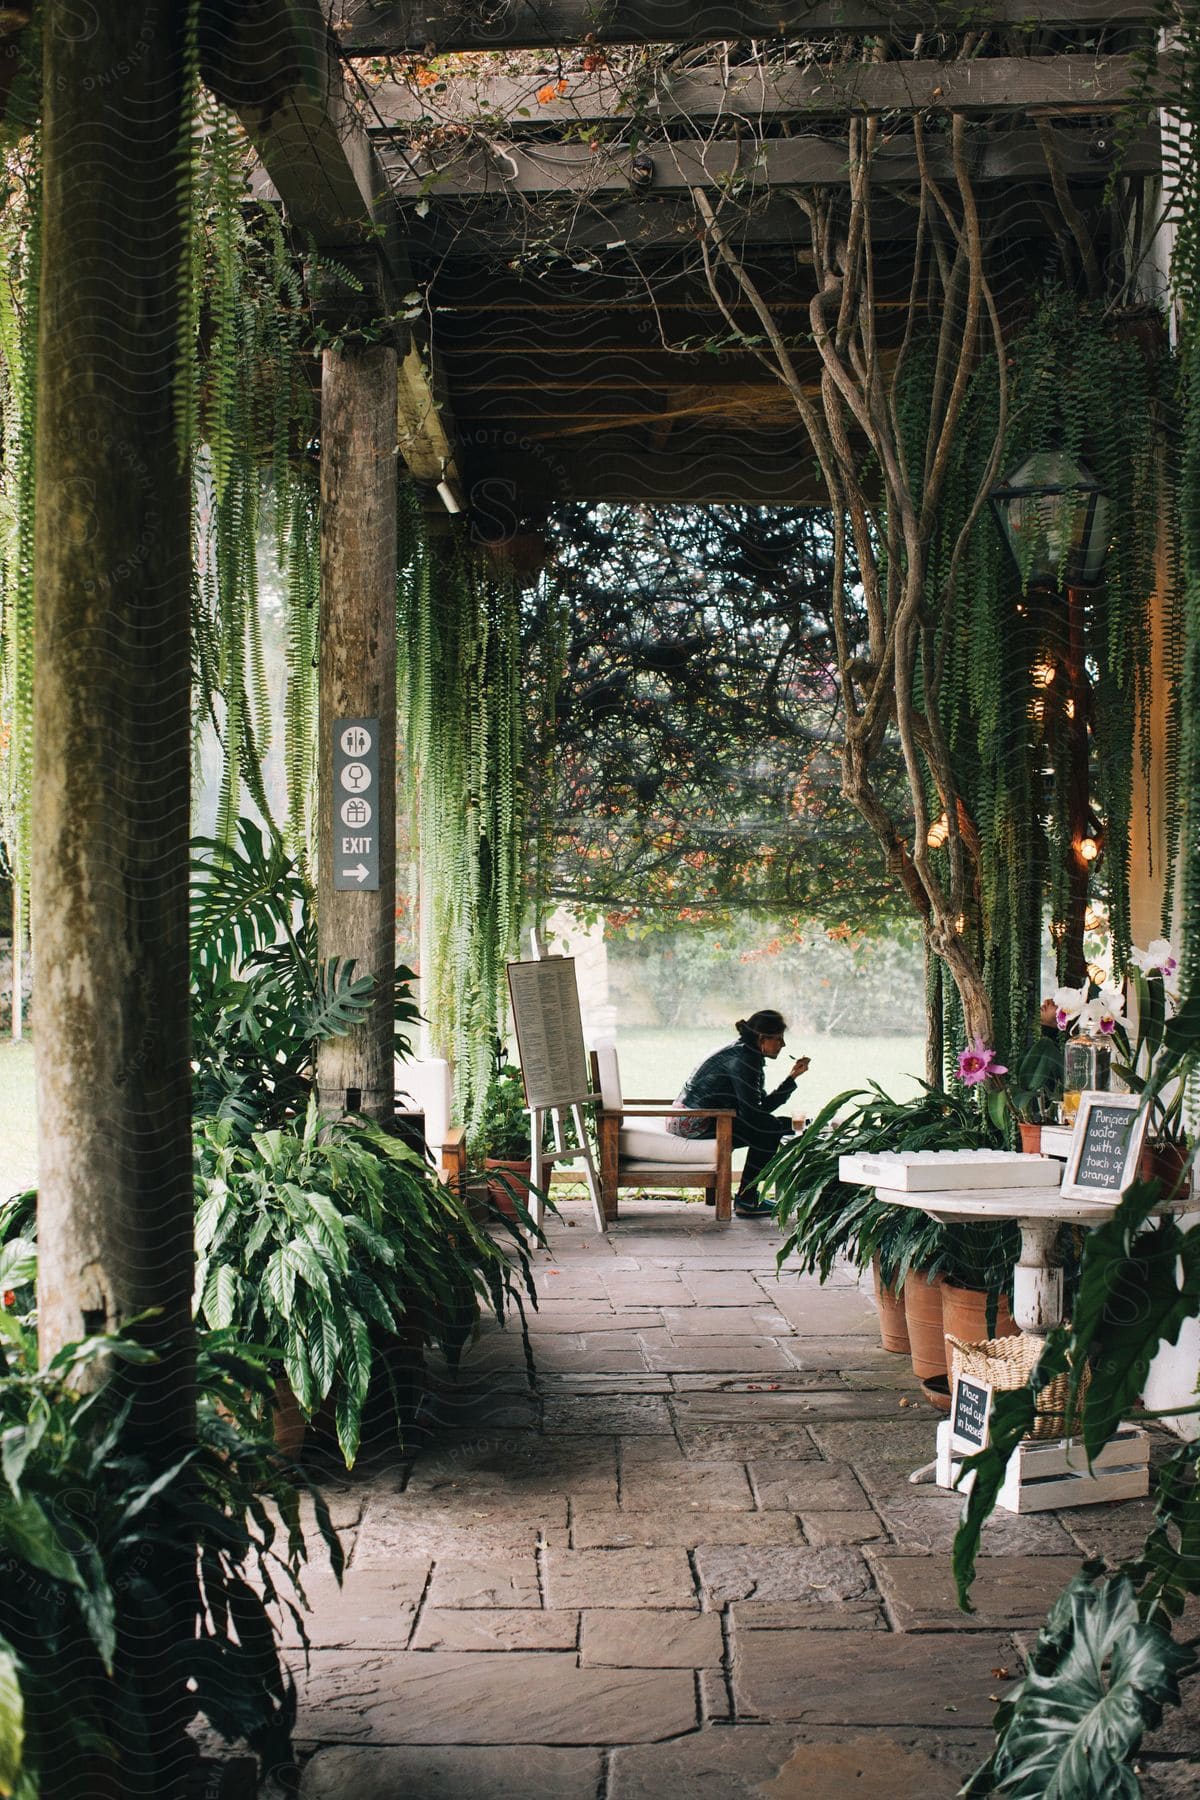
(765,1023)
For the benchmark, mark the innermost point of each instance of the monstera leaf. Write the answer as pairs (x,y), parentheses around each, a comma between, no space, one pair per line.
(1098,1679)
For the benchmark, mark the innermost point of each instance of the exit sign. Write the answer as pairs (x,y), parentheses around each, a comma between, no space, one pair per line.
(355,845)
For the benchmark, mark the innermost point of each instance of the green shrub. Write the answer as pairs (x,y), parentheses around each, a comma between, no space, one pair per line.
(320,1240)
(106,1549)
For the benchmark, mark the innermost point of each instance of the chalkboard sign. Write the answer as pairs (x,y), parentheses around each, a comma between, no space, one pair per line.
(970,1411)
(545,1003)
(1105,1147)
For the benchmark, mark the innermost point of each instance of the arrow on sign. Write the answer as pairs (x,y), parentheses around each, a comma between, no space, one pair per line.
(357,874)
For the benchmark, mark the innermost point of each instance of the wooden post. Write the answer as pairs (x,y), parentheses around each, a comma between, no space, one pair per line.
(111,700)
(358,681)
(111,782)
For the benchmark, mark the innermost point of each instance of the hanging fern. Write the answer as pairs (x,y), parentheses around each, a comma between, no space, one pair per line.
(247,427)
(461,703)
(1092,386)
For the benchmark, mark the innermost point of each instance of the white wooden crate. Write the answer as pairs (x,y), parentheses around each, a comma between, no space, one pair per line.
(933,1171)
(1054,1472)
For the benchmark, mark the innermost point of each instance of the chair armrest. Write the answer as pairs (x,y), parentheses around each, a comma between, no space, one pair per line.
(679,1112)
(453,1164)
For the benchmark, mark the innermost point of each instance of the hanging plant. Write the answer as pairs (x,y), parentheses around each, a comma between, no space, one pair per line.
(463,724)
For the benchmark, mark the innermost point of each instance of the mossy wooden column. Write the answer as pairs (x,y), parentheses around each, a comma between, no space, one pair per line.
(358,681)
(111,697)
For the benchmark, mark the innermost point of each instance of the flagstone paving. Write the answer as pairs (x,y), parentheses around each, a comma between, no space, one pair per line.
(685,1561)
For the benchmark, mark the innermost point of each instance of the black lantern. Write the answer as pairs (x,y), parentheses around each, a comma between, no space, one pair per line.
(1054,515)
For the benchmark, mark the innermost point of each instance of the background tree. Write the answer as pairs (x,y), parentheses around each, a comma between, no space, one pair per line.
(696,721)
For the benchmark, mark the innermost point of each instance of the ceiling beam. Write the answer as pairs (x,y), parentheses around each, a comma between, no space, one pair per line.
(1052,85)
(694,467)
(366,26)
(275,63)
(512,172)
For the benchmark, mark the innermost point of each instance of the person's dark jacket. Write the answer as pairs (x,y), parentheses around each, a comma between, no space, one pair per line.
(733,1078)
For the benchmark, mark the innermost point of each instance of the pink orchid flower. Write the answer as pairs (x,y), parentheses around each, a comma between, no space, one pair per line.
(978,1063)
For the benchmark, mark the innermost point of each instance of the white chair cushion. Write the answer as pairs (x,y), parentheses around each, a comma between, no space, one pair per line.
(650,1143)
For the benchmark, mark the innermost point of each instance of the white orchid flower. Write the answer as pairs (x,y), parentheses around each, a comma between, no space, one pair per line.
(1156,959)
(1103,1014)
(1068,1004)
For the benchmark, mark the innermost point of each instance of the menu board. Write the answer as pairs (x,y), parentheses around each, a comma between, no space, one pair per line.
(545,1004)
(1105,1147)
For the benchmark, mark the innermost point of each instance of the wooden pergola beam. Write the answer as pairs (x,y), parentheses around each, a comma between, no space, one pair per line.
(1052,85)
(693,468)
(275,63)
(510,171)
(366,27)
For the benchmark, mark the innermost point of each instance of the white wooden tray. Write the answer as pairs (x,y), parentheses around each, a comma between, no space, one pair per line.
(931,1171)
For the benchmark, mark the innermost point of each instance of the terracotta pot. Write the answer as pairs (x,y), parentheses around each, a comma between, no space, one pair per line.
(893,1331)
(927,1343)
(1031,1139)
(500,1193)
(290,1424)
(923,1316)
(964,1316)
(1162,1162)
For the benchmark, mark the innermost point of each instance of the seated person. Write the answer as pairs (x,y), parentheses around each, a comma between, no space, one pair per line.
(732,1079)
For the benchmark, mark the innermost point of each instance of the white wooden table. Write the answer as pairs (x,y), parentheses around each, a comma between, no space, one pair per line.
(1044,1474)
(1038,1212)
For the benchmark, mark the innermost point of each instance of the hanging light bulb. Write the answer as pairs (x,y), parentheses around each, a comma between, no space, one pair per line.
(938,832)
(1089,848)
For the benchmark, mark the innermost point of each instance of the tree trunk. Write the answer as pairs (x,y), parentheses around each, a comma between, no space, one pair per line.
(111,776)
(358,681)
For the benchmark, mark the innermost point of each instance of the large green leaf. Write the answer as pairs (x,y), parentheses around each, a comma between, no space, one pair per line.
(1094,1688)
(218,1302)
(12,1722)
(1011,1419)
(29,1535)
(1131,1299)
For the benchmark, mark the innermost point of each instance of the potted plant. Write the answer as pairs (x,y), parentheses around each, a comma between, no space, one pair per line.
(500,1137)
(826,1218)
(324,1243)
(1027,1097)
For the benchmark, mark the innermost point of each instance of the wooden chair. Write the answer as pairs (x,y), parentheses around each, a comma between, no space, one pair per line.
(636,1153)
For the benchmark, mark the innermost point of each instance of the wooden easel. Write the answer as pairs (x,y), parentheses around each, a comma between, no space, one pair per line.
(553,1067)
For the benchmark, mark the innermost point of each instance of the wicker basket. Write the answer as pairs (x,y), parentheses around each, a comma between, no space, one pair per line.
(1008,1362)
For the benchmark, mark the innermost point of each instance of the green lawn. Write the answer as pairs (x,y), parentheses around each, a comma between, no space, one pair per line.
(18,1119)
(655,1063)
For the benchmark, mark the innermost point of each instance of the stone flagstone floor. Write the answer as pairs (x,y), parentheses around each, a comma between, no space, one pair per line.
(686,1562)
